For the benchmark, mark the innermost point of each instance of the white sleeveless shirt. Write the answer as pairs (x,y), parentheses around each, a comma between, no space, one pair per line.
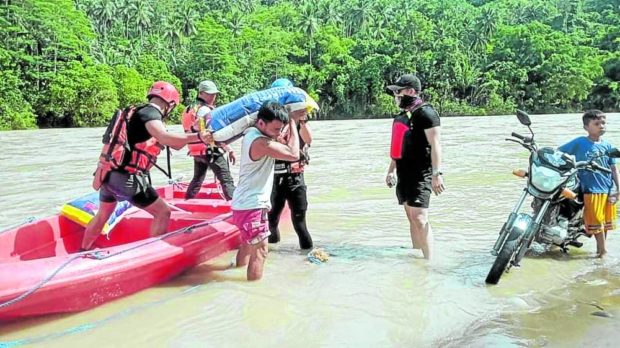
(253,190)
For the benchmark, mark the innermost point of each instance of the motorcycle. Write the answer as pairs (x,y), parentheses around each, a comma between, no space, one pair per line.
(556,217)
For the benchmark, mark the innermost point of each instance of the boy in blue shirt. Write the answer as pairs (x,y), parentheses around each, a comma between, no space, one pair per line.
(599,213)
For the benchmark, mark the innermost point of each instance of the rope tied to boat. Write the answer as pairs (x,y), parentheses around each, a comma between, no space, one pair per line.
(41,283)
(177,182)
(103,255)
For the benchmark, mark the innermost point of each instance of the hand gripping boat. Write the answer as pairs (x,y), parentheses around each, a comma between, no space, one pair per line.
(42,270)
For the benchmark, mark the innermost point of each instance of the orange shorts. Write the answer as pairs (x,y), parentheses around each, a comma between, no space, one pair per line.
(598,214)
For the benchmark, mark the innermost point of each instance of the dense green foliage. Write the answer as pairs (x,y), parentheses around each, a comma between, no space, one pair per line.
(71,63)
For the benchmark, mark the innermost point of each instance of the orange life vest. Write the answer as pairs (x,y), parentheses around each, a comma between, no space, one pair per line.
(118,154)
(196,148)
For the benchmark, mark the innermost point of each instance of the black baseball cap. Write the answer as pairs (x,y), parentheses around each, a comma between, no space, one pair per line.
(405,81)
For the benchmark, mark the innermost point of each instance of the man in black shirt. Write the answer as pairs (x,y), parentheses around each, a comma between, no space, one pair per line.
(121,174)
(416,158)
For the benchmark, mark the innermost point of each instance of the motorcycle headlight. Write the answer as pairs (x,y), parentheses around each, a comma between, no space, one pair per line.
(545,179)
(522,222)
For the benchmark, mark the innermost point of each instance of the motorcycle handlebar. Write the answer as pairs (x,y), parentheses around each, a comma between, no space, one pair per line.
(523,138)
(602,169)
(588,165)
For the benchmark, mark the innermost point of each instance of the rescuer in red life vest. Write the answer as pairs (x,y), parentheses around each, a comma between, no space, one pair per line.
(132,141)
(416,158)
(206,156)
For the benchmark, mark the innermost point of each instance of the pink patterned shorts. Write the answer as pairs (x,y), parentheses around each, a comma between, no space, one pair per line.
(252,224)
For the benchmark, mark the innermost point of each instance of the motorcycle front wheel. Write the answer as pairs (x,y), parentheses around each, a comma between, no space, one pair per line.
(504,256)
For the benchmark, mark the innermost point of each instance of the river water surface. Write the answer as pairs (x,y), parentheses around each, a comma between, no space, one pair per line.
(374,291)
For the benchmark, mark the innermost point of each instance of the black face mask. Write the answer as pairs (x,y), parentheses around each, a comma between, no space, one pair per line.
(406,101)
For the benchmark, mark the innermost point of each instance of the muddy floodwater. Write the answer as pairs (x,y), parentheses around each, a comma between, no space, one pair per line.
(374,291)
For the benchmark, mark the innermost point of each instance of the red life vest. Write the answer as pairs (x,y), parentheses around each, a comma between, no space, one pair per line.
(196,148)
(400,128)
(118,154)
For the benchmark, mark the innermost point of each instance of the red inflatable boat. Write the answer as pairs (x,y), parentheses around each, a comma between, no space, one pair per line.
(42,270)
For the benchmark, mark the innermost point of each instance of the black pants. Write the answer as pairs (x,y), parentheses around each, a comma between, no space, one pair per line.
(219,166)
(289,188)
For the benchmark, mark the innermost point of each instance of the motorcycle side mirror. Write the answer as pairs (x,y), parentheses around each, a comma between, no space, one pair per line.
(615,153)
(524,118)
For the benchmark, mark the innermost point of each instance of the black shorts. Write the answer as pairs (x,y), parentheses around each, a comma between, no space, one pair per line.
(127,187)
(415,190)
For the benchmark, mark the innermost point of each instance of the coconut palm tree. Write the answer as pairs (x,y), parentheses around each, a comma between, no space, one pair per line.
(235,22)
(172,32)
(309,25)
(376,27)
(103,13)
(125,14)
(487,23)
(247,6)
(330,12)
(189,17)
(143,14)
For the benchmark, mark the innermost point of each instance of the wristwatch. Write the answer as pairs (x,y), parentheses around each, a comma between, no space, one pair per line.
(436,172)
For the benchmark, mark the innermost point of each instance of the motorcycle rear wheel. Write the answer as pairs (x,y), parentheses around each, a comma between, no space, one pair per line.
(504,256)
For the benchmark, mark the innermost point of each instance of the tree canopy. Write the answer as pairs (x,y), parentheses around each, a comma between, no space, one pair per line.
(474,57)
